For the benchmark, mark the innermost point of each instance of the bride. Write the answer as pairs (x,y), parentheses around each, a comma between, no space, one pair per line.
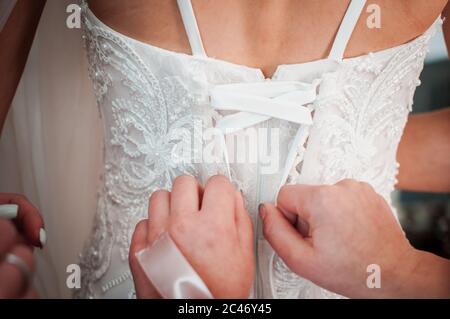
(332,94)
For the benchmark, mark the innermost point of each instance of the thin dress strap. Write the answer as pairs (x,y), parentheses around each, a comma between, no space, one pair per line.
(346,28)
(191,27)
(343,35)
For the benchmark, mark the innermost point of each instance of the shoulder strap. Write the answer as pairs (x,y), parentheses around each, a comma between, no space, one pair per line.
(344,33)
(346,28)
(191,27)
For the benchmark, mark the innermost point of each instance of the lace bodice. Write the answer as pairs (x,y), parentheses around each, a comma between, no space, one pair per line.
(155,104)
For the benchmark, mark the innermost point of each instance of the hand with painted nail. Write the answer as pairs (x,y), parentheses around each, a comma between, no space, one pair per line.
(25,216)
(210,227)
(345,238)
(17,264)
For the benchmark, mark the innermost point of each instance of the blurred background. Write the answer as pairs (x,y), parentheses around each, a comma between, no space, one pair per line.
(424,216)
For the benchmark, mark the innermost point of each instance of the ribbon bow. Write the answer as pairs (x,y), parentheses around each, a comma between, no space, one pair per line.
(261,101)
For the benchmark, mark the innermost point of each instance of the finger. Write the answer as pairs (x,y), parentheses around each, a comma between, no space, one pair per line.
(294,199)
(244,224)
(158,214)
(296,252)
(139,238)
(185,197)
(295,220)
(291,217)
(28,219)
(8,237)
(13,281)
(143,286)
(219,199)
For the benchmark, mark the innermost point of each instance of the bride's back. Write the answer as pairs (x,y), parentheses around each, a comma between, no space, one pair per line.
(159,108)
(267,33)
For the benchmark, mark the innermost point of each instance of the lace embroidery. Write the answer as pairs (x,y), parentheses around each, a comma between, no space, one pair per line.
(149,122)
(369,109)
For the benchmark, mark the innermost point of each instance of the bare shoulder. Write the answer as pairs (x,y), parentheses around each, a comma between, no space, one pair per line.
(423,13)
(413,15)
(400,22)
(156,21)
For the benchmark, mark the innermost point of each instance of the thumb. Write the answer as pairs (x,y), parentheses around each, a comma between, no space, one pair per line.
(296,252)
(143,286)
(296,199)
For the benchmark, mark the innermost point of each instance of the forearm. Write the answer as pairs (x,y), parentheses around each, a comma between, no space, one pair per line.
(418,274)
(425,276)
(15,43)
(424,151)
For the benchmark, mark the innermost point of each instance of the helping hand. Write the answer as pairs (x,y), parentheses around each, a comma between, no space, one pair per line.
(210,227)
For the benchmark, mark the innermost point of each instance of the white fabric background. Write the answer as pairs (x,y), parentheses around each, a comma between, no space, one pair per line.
(50,149)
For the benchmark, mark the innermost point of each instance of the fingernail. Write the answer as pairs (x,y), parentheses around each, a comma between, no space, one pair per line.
(42,237)
(9,211)
(262,211)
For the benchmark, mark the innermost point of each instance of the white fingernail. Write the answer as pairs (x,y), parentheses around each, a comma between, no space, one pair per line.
(42,237)
(9,211)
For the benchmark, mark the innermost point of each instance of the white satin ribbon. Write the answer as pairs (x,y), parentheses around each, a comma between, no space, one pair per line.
(170,272)
(260,101)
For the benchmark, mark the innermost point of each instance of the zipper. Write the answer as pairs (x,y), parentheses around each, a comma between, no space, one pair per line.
(257,272)
(259,181)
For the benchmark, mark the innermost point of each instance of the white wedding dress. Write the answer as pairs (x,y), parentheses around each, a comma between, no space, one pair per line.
(150,99)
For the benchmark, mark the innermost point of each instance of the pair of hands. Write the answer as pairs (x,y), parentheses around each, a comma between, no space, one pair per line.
(327,234)
(18,236)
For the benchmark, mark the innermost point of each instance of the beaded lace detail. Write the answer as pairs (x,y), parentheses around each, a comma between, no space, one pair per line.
(147,121)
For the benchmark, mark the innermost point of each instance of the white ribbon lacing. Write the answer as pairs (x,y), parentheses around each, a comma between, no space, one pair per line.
(259,102)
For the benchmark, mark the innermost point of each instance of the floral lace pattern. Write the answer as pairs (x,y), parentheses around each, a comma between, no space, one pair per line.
(358,122)
(148,120)
(360,117)
(150,113)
